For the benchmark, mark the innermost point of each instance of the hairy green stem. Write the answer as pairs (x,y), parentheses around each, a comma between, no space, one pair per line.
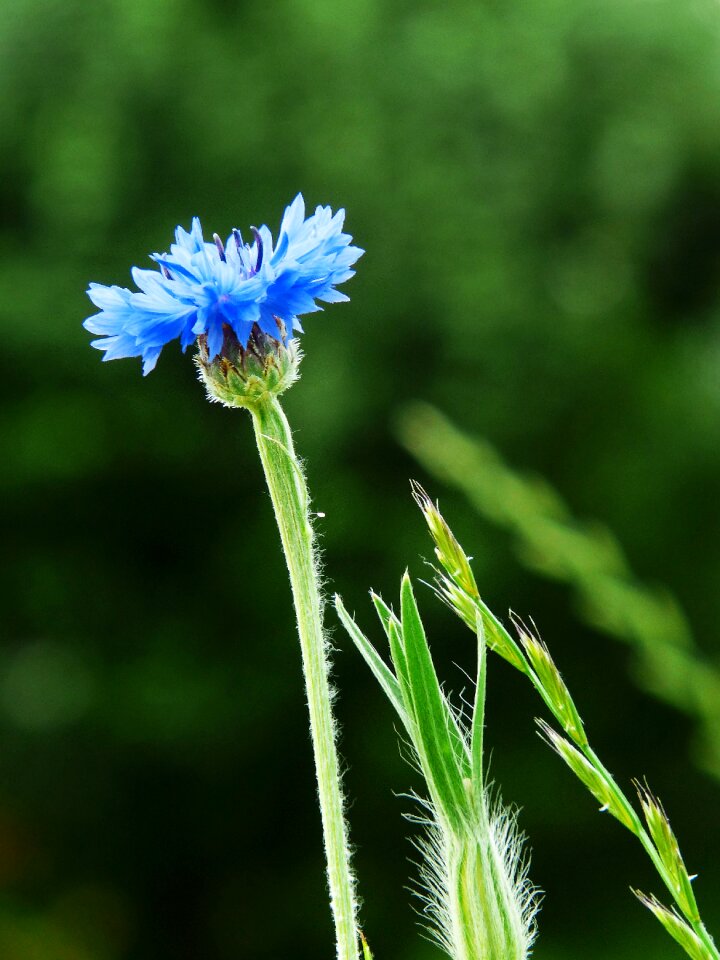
(289,495)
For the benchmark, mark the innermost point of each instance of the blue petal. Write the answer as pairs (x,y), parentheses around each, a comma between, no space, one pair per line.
(150,358)
(174,267)
(215,339)
(199,292)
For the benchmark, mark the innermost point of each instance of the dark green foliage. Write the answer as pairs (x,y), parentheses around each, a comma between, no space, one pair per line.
(537,185)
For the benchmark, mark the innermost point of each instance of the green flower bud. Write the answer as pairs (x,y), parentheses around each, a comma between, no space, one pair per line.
(244,376)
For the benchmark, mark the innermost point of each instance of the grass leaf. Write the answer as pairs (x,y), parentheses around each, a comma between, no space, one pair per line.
(478,717)
(382,672)
(442,754)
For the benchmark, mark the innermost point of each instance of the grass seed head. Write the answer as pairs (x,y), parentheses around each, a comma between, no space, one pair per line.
(669,851)
(451,555)
(588,775)
(549,676)
(676,927)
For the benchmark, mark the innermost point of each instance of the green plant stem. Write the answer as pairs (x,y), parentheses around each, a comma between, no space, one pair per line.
(288,492)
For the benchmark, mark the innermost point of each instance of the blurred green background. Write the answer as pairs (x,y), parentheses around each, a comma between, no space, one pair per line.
(537,186)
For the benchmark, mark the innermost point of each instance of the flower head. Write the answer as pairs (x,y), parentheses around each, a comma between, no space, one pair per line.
(207,290)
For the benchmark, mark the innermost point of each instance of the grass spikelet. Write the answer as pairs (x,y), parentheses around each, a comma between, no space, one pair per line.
(549,676)
(586,556)
(676,927)
(588,774)
(668,850)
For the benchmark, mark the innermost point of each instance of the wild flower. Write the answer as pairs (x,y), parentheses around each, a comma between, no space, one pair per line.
(241,302)
(215,290)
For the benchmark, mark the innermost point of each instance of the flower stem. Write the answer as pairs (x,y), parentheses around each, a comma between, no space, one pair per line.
(289,495)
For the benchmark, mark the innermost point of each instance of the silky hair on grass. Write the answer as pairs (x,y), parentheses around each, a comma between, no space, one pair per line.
(452,922)
(477,902)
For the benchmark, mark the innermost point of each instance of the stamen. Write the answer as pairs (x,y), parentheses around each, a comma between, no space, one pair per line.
(238,238)
(258,240)
(282,329)
(165,272)
(220,247)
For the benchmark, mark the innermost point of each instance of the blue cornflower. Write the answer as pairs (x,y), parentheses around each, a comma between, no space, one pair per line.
(203,289)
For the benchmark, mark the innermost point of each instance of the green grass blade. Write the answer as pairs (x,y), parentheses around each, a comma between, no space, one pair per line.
(478,718)
(367,955)
(441,754)
(393,628)
(381,671)
(384,612)
(398,655)
(393,632)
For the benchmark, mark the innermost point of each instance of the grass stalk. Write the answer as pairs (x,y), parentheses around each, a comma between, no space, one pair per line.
(586,556)
(456,586)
